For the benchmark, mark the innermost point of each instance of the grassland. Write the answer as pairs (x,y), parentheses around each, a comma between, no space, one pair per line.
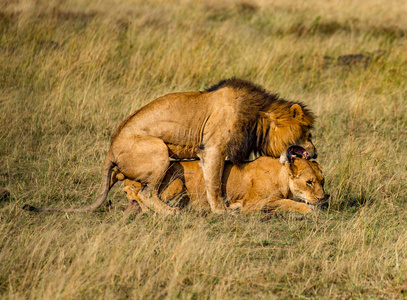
(70,71)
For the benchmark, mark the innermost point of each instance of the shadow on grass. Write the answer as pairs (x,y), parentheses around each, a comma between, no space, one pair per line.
(5,197)
(346,203)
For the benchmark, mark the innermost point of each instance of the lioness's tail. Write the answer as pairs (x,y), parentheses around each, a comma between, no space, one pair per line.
(106,185)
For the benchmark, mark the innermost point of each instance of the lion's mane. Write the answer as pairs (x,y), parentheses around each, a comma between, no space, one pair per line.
(254,131)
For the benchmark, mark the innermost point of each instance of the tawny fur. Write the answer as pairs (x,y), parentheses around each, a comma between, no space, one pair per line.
(265,123)
(262,185)
(230,119)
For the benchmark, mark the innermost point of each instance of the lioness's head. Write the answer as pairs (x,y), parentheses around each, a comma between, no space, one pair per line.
(289,129)
(306,180)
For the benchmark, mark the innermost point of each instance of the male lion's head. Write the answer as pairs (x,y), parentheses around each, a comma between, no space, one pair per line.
(306,180)
(286,129)
(266,124)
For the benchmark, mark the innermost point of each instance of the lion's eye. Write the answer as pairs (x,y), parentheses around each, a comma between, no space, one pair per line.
(310,183)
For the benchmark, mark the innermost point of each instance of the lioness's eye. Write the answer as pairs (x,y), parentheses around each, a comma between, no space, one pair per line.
(310,183)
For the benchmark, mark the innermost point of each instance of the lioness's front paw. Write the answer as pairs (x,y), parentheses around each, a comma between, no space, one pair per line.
(306,208)
(312,207)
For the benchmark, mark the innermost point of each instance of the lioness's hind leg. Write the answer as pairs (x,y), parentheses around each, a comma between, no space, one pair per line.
(149,197)
(132,188)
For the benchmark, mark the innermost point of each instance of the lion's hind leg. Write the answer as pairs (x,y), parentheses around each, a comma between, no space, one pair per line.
(145,159)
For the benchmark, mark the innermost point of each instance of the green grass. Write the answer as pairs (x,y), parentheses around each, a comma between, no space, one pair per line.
(70,71)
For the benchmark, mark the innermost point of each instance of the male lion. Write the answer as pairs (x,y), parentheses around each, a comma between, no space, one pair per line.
(261,185)
(230,119)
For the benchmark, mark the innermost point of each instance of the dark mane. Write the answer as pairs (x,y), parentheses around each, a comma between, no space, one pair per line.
(251,132)
(237,83)
(254,98)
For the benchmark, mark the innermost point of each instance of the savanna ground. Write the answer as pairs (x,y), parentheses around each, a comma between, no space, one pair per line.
(70,71)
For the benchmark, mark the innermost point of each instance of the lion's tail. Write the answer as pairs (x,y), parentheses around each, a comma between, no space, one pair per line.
(106,174)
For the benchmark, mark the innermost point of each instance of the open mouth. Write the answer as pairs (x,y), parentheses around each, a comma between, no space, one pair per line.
(297,151)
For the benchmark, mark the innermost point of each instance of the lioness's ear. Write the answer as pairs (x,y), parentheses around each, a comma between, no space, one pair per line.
(297,112)
(317,165)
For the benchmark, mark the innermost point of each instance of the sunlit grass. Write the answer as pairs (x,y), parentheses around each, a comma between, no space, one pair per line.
(71,71)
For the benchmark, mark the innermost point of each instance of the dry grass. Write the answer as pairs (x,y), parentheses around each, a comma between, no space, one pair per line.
(70,71)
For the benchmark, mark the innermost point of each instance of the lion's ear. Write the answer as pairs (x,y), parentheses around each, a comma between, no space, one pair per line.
(297,112)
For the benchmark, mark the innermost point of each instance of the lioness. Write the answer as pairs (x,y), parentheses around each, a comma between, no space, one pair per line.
(262,185)
(230,119)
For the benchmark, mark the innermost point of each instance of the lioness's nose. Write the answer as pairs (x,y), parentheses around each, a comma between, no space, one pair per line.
(315,155)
